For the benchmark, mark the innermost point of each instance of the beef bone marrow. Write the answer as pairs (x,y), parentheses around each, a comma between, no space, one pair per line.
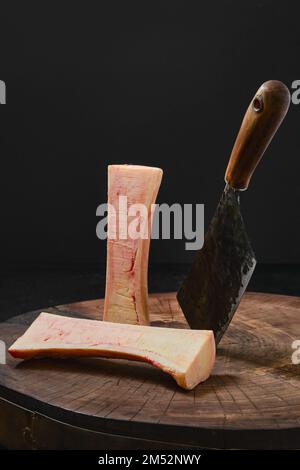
(187,355)
(126,294)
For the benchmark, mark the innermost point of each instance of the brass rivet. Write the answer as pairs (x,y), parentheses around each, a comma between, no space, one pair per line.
(258,104)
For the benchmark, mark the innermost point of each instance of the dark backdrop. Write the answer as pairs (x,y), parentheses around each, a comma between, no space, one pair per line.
(158,83)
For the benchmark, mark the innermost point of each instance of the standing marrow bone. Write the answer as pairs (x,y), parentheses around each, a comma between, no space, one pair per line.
(126,295)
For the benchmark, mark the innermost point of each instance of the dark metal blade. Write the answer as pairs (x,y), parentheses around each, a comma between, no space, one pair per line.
(221,270)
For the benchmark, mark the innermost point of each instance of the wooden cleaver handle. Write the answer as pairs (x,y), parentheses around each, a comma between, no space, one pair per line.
(262,119)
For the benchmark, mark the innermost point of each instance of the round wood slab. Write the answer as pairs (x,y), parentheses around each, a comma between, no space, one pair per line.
(251,400)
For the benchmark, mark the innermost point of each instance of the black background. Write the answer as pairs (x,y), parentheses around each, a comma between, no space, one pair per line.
(158,83)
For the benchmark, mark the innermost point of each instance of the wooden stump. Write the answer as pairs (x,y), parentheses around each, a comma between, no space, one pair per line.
(252,399)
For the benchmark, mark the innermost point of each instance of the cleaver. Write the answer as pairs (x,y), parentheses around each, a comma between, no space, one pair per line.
(221,270)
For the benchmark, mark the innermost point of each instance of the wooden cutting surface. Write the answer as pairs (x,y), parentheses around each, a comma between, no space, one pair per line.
(251,400)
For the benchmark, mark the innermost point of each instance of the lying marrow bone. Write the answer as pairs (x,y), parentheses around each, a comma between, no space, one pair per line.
(126,295)
(187,355)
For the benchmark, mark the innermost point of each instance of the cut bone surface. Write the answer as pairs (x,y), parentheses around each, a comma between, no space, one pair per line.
(126,295)
(187,355)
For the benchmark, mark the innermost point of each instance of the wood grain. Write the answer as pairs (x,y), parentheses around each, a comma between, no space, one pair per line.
(252,399)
